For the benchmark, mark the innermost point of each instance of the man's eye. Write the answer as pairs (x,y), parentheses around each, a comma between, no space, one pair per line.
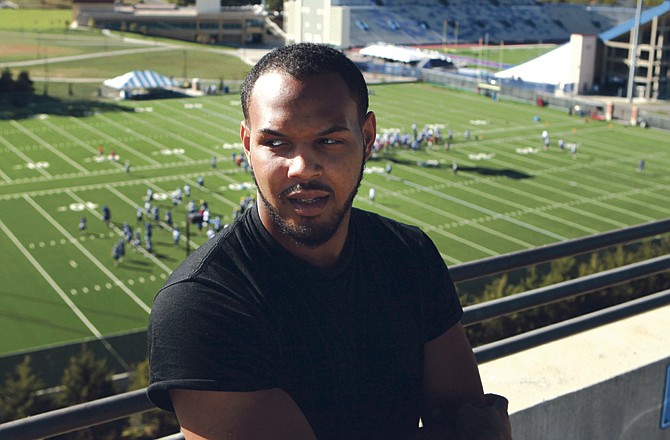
(273,143)
(329,141)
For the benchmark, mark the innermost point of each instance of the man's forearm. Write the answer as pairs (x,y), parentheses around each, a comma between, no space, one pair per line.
(467,422)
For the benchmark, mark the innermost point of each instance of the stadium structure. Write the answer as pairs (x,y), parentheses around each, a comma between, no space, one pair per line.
(356,23)
(595,57)
(206,22)
(601,63)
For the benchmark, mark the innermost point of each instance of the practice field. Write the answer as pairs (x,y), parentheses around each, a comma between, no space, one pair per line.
(60,284)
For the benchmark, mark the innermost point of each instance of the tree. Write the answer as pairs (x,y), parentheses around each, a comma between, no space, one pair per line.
(152,424)
(6,81)
(23,83)
(18,394)
(85,379)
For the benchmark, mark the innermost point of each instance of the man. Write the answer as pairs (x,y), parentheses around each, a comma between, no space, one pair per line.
(307,318)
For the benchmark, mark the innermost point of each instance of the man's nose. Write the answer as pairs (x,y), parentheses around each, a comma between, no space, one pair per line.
(304,165)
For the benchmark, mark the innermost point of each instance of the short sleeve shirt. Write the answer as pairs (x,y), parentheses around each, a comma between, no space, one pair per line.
(243,314)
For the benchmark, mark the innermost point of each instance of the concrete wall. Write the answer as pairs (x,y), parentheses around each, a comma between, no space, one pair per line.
(627,407)
(605,383)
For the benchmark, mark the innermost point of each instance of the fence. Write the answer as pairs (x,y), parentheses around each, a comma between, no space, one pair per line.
(126,404)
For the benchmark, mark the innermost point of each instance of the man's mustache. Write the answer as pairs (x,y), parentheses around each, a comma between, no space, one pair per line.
(310,186)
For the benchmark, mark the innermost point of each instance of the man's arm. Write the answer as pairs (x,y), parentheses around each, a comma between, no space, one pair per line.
(267,414)
(454,403)
(450,373)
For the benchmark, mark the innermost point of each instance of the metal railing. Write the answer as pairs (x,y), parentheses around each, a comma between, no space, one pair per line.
(126,404)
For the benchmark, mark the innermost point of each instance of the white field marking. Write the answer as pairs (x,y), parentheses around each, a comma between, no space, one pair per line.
(585,200)
(428,227)
(46,145)
(19,153)
(621,181)
(461,220)
(185,126)
(481,156)
(172,151)
(570,195)
(90,256)
(180,139)
(63,296)
(538,211)
(5,177)
(549,204)
(111,140)
(166,227)
(163,224)
(77,141)
(18,195)
(214,121)
(135,133)
(194,184)
(481,209)
(119,233)
(244,186)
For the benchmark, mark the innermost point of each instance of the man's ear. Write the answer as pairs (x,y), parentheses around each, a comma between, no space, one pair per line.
(245,137)
(369,133)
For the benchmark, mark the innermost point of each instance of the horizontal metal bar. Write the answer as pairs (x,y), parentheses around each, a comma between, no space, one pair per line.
(176,436)
(77,417)
(124,405)
(555,292)
(541,254)
(533,338)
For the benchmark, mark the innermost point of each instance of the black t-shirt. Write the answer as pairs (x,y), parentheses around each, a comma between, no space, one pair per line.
(243,314)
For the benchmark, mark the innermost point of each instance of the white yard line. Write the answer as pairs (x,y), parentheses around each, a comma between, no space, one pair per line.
(118,231)
(550,204)
(46,145)
(181,139)
(147,139)
(428,227)
(214,121)
(63,296)
(74,139)
(461,221)
(19,153)
(477,207)
(194,184)
(5,177)
(88,254)
(114,141)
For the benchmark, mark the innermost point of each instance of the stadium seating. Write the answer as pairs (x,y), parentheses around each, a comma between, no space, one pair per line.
(410,22)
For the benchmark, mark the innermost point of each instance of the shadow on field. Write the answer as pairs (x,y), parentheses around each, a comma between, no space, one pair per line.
(512,174)
(26,107)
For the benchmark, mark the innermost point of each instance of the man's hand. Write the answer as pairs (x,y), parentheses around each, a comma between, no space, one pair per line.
(469,422)
(488,423)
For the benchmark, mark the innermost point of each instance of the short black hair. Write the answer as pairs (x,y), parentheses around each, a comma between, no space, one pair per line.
(307,59)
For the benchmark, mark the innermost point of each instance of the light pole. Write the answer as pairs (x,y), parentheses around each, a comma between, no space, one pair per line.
(633,51)
(456,34)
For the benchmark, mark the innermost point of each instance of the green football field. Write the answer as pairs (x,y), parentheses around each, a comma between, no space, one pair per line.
(60,284)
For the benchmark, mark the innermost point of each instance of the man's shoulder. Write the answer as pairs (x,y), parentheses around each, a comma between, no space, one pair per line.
(218,255)
(377,227)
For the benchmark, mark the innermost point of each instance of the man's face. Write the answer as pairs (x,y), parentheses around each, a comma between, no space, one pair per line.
(307,146)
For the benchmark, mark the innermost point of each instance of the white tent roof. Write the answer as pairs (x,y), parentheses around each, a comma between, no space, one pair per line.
(400,53)
(551,68)
(140,79)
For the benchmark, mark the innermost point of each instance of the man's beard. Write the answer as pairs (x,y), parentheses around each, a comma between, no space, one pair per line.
(309,235)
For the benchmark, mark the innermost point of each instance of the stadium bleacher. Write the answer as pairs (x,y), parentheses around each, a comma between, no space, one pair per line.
(511,21)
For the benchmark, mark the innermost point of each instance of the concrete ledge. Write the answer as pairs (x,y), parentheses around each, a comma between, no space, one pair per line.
(604,383)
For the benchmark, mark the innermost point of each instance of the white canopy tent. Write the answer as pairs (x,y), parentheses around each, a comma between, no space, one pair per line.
(140,79)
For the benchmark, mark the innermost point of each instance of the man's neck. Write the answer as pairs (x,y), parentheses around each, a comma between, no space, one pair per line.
(323,256)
